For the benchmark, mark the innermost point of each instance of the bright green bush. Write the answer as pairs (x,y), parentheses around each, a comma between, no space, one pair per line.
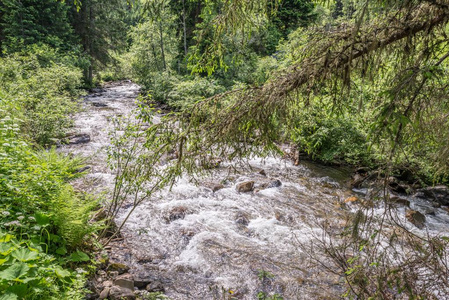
(329,138)
(38,89)
(185,93)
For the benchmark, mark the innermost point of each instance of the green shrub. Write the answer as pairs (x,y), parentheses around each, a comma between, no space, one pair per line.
(329,138)
(185,93)
(39,88)
(42,220)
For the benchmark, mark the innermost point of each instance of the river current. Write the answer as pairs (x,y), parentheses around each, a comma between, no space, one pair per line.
(204,242)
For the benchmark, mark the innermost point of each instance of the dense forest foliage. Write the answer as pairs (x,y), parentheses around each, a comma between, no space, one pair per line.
(360,83)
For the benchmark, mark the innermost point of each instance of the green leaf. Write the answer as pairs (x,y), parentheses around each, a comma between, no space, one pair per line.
(79,256)
(42,219)
(20,290)
(9,296)
(25,255)
(6,238)
(61,251)
(14,272)
(61,273)
(5,249)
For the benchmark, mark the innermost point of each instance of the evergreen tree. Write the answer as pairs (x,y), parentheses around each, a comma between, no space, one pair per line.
(100,26)
(28,22)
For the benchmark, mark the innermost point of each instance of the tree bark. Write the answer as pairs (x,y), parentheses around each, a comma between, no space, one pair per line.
(162,44)
(184,26)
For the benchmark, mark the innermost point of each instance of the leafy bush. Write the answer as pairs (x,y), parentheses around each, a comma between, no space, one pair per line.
(329,138)
(185,93)
(38,89)
(42,220)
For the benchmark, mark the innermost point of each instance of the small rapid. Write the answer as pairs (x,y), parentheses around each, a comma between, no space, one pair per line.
(203,239)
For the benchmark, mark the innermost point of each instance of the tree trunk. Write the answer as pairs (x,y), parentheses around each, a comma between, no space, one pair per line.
(184,25)
(162,45)
(89,42)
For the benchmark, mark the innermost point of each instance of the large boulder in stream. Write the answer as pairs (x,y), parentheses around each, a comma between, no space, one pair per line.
(245,187)
(416,218)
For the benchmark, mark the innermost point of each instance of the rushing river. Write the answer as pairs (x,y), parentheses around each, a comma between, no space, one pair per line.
(205,244)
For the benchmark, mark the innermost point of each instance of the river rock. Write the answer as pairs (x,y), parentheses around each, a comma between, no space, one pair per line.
(214,186)
(438,193)
(357,180)
(79,139)
(272,184)
(155,286)
(177,213)
(245,187)
(262,172)
(118,267)
(107,283)
(400,201)
(416,218)
(120,293)
(141,281)
(242,218)
(97,90)
(436,204)
(125,281)
(105,293)
(99,104)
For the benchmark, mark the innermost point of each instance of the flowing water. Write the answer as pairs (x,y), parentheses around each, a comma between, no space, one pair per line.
(205,244)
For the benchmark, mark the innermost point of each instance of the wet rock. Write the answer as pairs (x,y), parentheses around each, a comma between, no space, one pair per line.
(141,281)
(357,180)
(217,187)
(99,104)
(428,211)
(274,184)
(436,204)
(105,293)
(400,201)
(416,218)
(214,186)
(107,283)
(118,267)
(262,172)
(79,139)
(245,187)
(242,218)
(119,293)
(97,90)
(155,286)
(177,213)
(438,193)
(125,281)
